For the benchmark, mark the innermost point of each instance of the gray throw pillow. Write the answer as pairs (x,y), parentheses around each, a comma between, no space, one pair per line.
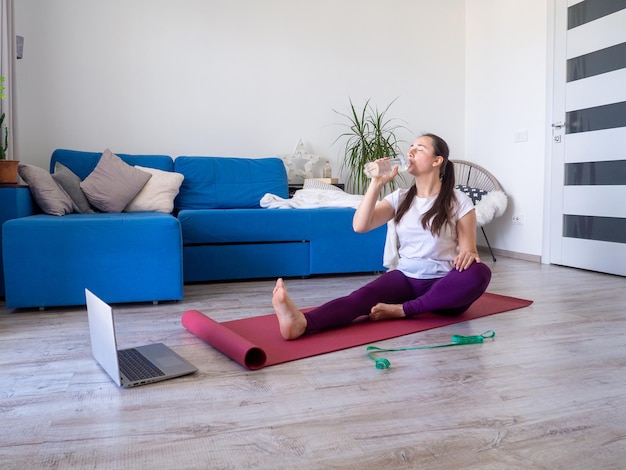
(47,193)
(113,183)
(70,182)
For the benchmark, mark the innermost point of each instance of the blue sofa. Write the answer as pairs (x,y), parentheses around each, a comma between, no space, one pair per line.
(122,257)
(227,235)
(218,231)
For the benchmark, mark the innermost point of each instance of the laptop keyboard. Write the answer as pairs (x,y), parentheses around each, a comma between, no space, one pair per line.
(135,366)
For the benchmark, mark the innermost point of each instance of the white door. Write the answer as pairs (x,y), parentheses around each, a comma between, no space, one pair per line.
(588,203)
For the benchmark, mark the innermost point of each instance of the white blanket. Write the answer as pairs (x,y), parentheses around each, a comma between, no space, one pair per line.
(312,198)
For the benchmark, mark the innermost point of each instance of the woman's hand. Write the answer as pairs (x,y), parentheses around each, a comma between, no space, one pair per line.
(371,213)
(465,259)
(384,179)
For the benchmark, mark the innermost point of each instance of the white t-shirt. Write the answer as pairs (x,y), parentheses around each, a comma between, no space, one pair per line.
(423,255)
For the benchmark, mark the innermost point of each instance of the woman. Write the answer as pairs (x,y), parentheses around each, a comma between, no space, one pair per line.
(439,269)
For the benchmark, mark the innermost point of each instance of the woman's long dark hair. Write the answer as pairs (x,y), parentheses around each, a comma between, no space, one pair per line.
(440,213)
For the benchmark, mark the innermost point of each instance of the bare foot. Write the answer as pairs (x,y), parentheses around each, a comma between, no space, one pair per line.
(382,311)
(291,320)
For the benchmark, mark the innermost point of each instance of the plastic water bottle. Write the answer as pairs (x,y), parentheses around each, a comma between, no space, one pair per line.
(384,167)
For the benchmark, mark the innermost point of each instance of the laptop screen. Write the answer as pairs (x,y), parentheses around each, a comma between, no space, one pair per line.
(102,332)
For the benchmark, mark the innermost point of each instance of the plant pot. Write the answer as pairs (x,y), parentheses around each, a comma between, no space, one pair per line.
(8,171)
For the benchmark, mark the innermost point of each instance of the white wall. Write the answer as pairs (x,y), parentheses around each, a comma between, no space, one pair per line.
(232,77)
(506,69)
(249,78)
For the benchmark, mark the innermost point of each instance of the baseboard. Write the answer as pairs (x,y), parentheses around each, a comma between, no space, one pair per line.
(510,254)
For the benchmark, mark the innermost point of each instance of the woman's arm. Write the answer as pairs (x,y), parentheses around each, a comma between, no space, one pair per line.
(466,233)
(371,213)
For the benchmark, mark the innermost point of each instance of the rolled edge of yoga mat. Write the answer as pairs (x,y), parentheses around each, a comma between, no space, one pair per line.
(224,340)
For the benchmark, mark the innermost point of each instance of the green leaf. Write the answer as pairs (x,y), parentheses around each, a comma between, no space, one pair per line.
(371,136)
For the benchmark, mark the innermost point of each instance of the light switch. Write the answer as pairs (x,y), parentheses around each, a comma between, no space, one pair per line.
(521,135)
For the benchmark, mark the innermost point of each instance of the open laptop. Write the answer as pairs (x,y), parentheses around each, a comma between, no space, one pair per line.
(134,366)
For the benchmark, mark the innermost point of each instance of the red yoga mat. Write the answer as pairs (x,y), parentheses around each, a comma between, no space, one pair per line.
(256,342)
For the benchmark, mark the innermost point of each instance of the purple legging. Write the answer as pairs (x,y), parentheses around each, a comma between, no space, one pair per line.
(448,295)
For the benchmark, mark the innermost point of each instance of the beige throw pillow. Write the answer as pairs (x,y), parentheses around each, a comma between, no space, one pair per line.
(159,192)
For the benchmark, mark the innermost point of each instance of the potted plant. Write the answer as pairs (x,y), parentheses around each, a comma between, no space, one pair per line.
(8,168)
(371,136)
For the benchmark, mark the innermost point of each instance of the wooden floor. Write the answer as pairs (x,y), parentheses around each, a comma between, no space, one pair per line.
(548,393)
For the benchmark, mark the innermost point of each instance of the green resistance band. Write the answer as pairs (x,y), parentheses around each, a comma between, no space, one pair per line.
(457,340)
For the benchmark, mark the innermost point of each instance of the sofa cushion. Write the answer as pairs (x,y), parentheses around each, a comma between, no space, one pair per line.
(159,192)
(113,183)
(123,257)
(229,183)
(337,248)
(206,226)
(70,182)
(50,197)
